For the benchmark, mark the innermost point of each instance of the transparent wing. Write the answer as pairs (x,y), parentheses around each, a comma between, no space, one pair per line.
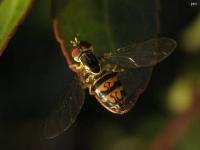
(135,82)
(143,54)
(66,111)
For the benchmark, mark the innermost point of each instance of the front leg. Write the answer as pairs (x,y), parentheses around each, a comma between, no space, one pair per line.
(75,67)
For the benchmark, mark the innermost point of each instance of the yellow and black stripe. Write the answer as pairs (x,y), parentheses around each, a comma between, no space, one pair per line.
(109,92)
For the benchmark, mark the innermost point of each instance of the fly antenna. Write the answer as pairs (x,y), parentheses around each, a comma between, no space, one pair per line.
(74,42)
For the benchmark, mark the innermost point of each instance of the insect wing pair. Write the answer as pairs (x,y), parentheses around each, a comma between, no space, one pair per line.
(137,60)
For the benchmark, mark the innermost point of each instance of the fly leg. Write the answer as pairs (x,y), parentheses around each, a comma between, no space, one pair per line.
(89,81)
(75,67)
(89,86)
(91,91)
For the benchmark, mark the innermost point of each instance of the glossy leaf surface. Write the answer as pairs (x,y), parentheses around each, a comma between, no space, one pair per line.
(11,14)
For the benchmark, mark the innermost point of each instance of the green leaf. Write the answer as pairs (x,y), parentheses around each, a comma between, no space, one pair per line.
(106,24)
(11,13)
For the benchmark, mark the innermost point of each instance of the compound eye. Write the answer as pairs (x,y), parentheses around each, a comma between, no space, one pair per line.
(75,53)
(84,45)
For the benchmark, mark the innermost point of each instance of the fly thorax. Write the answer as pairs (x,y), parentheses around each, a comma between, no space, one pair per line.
(90,62)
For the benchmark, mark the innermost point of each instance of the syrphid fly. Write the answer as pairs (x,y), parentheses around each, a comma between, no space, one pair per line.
(116,78)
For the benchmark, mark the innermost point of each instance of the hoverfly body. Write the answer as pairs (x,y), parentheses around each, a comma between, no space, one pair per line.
(115,79)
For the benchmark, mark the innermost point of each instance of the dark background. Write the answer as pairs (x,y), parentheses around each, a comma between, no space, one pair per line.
(34,73)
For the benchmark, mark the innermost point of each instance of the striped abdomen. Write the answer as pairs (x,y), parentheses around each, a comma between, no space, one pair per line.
(109,91)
